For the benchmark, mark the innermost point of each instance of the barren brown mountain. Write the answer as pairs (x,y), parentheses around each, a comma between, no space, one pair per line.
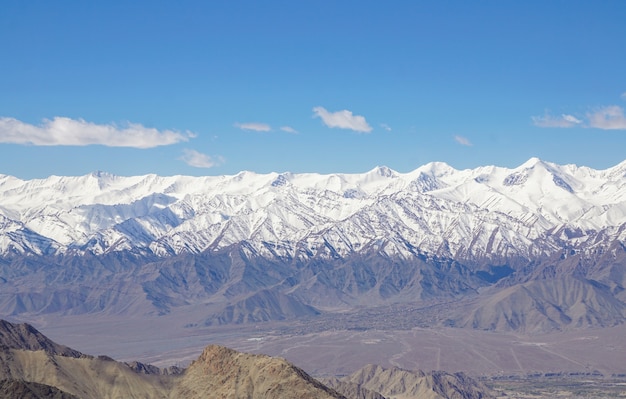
(226,373)
(395,383)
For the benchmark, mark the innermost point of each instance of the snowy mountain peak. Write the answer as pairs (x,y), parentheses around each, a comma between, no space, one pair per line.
(437,169)
(434,208)
(383,171)
(531,163)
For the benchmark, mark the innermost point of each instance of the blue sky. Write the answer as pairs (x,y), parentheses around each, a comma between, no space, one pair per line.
(212,88)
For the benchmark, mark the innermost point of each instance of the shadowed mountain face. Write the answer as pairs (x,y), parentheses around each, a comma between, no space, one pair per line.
(32,372)
(26,337)
(31,390)
(249,288)
(234,286)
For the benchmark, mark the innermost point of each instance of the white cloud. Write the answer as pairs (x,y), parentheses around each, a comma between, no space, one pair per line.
(623,95)
(257,127)
(343,120)
(609,118)
(77,132)
(562,120)
(571,119)
(385,126)
(288,129)
(462,140)
(200,160)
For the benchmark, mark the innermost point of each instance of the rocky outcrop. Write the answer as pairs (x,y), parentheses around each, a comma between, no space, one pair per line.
(225,373)
(397,383)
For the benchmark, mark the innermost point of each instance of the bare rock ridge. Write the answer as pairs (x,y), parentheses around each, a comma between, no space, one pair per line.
(150,369)
(29,371)
(579,291)
(545,305)
(395,383)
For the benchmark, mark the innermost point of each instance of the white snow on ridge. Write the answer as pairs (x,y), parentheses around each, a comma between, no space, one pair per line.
(436,208)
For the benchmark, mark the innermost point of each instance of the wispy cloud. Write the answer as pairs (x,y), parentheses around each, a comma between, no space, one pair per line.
(385,126)
(343,120)
(78,132)
(255,126)
(562,120)
(463,141)
(609,118)
(200,160)
(288,129)
(623,95)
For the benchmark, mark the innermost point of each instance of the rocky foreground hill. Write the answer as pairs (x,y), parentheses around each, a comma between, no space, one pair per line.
(32,366)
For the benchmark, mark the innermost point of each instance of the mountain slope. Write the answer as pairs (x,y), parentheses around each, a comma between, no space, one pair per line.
(31,390)
(84,378)
(545,305)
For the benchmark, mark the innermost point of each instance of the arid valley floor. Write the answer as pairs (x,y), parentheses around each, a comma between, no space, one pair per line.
(163,342)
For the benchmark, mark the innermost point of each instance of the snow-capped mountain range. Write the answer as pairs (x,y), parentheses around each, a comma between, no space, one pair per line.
(534,209)
(534,248)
